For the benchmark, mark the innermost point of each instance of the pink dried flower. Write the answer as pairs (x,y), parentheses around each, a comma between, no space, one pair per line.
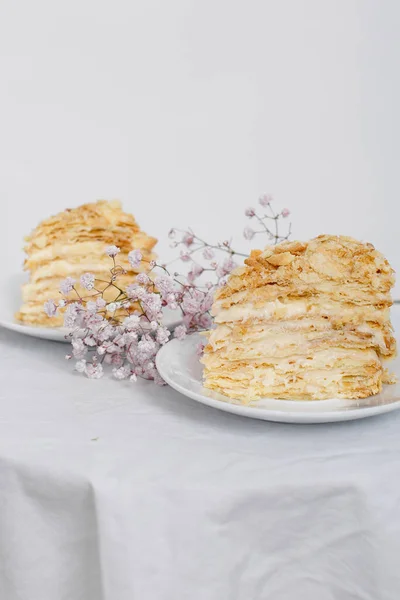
(121,372)
(100,303)
(248,233)
(130,337)
(132,322)
(180,332)
(144,319)
(146,348)
(205,321)
(285,213)
(152,303)
(117,360)
(143,279)
(131,354)
(105,332)
(171,301)
(50,308)
(135,291)
(119,340)
(112,251)
(91,320)
(265,200)
(185,257)
(208,253)
(80,366)
(190,305)
(188,321)
(188,239)
(72,316)
(162,335)
(87,281)
(197,295)
(227,266)
(164,285)
(149,370)
(94,371)
(79,350)
(135,258)
(207,301)
(195,272)
(91,306)
(133,377)
(111,348)
(67,285)
(250,212)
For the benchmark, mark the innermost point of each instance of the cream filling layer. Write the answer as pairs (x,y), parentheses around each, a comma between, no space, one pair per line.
(63,268)
(79,249)
(310,383)
(355,294)
(267,341)
(343,358)
(296,308)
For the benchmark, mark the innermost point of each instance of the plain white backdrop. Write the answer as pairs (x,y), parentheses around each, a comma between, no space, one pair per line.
(188,110)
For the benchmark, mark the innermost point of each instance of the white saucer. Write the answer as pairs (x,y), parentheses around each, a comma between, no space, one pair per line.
(179,366)
(10,302)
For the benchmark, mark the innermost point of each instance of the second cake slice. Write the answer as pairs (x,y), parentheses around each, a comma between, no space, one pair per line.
(72,243)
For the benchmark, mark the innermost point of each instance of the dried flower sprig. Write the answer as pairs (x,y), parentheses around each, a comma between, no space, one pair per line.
(195,250)
(271,229)
(127,332)
(192,245)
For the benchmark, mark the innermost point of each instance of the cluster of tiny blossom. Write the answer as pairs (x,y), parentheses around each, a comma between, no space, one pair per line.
(267,222)
(112,251)
(127,332)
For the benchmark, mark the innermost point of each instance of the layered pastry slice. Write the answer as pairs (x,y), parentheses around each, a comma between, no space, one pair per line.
(73,243)
(303,321)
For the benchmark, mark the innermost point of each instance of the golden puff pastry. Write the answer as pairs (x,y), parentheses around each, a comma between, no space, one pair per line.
(304,321)
(73,242)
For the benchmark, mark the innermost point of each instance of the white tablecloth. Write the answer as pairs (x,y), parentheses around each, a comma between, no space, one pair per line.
(116,491)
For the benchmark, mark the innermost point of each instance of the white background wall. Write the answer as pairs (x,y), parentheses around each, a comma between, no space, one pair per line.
(188,110)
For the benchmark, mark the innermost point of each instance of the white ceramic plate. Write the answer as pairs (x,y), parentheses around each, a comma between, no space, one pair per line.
(10,301)
(179,366)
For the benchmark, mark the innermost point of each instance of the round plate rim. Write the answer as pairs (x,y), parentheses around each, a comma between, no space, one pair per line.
(265,414)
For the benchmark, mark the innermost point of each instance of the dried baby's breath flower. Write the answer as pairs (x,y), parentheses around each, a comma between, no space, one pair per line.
(126,331)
